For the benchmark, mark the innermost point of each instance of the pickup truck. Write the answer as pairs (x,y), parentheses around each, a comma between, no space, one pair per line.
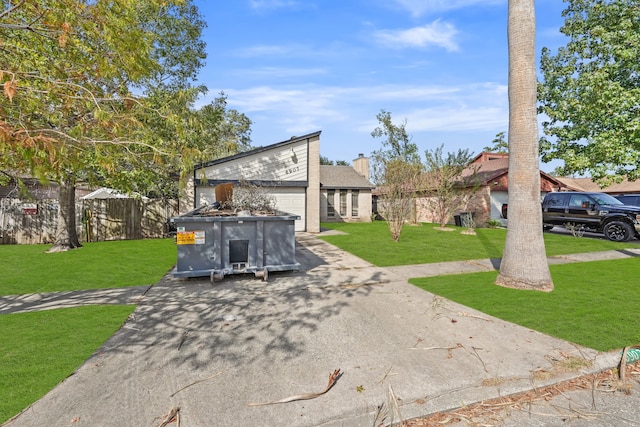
(595,212)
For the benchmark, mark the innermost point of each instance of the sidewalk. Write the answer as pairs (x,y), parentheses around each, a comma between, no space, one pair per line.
(211,350)
(476,266)
(52,300)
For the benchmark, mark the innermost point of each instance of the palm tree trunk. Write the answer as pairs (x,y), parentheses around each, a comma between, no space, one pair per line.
(66,233)
(524,264)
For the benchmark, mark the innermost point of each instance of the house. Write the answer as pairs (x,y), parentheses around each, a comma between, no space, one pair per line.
(346,192)
(491,174)
(290,171)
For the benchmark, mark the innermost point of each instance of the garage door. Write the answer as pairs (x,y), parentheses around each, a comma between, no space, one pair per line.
(291,200)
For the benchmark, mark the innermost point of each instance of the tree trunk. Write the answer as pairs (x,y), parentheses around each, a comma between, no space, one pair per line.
(66,233)
(524,263)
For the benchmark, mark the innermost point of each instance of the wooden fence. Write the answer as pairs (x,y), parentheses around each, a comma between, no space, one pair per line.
(24,222)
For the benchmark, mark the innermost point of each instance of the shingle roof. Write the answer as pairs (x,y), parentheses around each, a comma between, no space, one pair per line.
(487,170)
(587,184)
(342,177)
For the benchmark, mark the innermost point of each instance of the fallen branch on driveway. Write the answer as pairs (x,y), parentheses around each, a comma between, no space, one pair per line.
(196,382)
(333,378)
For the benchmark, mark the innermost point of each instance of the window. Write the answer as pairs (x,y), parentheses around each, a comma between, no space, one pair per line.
(354,202)
(555,200)
(579,201)
(343,202)
(331,210)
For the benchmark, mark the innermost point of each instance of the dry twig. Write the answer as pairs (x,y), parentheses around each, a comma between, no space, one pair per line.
(333,378)
(173,415)
(196,382)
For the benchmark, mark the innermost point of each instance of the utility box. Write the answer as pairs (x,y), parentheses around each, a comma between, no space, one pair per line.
(224,244)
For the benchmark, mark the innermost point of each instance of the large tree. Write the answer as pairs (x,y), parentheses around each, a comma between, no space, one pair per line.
(396,169)
(101,91)
(591,91)
(524,263)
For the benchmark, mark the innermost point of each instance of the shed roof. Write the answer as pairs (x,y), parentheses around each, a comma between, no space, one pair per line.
(109,193)
(342,177)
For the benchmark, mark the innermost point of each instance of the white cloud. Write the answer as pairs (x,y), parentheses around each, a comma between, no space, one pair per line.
(280,72)
(266,50)
(421,7)
(467,108)
(460,119)
(437,33)
(272,4)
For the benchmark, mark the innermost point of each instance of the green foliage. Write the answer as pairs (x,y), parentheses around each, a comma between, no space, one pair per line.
(591,91)
(591,303)
(396,169)
(421,245)
(326,161)
(43,348)
(494,223)
(396,145)
(28,269)
(102,92)
(500,144)
(444,183)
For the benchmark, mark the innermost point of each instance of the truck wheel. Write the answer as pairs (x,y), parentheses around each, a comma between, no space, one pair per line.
(618,231)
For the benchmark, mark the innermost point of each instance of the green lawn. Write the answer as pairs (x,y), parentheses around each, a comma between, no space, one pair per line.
(41,349)
(594,304)
(424,244)
(29,269)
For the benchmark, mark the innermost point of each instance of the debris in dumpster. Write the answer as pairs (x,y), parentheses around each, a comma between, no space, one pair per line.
(333,379)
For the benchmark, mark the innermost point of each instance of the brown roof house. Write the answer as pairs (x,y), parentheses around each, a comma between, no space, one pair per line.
(587,184)
(345,192)
(491,173)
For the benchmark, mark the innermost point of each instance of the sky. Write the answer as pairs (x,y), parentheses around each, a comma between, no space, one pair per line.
(300,66)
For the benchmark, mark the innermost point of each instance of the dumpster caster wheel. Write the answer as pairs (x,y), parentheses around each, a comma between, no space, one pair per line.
(264,275)
(216,276)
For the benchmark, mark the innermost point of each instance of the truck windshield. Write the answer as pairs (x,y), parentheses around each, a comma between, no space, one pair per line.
(605,199)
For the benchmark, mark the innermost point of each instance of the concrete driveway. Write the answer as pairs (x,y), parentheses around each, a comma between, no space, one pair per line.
(211,350)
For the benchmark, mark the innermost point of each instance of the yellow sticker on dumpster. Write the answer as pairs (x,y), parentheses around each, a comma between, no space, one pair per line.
(190,237)
(186,238)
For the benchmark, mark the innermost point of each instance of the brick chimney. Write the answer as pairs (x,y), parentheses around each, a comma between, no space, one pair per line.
(361,165)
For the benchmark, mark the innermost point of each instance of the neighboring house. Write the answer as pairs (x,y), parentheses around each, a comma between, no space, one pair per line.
(290,170)
(587,184)
(491,173)
(346,192)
